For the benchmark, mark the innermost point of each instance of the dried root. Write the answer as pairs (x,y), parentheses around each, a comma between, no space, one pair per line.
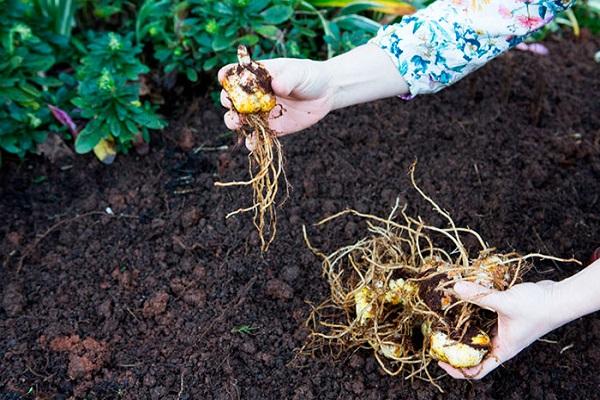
(248,85)
(391,292)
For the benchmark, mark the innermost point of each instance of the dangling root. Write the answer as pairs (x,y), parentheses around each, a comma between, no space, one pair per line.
(265,165)
(392,292)
(248,85)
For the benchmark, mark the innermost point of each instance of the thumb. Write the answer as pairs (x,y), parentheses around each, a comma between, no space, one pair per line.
(476,294)
(284,75)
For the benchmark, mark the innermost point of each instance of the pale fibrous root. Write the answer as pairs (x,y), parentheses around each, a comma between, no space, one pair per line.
(392,292)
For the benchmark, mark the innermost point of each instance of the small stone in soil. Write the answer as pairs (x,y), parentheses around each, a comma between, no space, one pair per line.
(190,217)
(195,297)
(155,305)
(186,140)
(290,273)
(199,272)
(13,300)
(279,289)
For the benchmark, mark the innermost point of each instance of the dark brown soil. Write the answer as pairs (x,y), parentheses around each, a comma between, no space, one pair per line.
(148,303)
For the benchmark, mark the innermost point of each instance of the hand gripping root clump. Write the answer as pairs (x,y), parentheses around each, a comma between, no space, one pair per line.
(392,292)
(248,85)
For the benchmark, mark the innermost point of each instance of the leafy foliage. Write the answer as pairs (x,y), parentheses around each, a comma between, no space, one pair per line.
(108,95)
(24,59)
(585,14)
(195,35)
(61,14)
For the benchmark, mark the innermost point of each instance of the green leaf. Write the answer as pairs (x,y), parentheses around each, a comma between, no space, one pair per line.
(307,32)
(223,8)
(89,137)
(210,63)
(131,127)
(355,8)
(222,42)
(248,40)
(354,22)
(192,75)
(17,95)
(392,7)
(256,5)
(231,30)
(114,126)
(268,31)
(277,14)
(148,120)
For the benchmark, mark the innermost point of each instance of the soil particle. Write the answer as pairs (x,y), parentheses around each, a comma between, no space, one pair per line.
(85,356)
(117,201)
(248,347)
(14,239)
(149,380)
(190,217)
(356,361)
(13,300)
(290,273)
(195,297)
(155,305)
(199,273)
(279,290)
(105,309)
(125,278)
(186,139)
(179,285)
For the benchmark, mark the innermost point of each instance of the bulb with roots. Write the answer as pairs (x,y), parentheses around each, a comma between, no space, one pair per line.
(248,85)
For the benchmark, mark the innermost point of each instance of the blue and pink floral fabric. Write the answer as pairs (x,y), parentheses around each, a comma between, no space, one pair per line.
(444,42)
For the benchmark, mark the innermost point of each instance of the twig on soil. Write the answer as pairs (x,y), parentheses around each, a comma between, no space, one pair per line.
(195,246)
(130,365)
(567,347)
(478,175)
(537,235)
(45,378)
(180,386)
(132,314)
(187,191)
(206,148)
(548,341)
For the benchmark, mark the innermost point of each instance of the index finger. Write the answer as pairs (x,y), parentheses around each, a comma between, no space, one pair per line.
(223,70)
(476,373)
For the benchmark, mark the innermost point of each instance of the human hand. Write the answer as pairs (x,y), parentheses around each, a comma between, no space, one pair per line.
(308,90)
(303,94)
(526,312)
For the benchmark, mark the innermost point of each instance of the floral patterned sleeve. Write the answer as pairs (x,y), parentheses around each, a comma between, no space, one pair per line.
(444,42)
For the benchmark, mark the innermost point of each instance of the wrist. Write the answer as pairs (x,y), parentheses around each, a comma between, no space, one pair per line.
(363,74)
(574,297)
(558,313)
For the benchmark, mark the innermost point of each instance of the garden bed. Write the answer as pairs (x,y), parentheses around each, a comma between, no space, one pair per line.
(166,299)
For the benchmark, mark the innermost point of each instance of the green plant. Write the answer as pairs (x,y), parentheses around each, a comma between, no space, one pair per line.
(244,329)
(189,36)
(61,14)
(25,59)
(204,33)
(108,96)
(585,14)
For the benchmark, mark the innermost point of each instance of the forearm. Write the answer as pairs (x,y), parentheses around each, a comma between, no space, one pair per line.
(578,295)
(441,44)
(363,74)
